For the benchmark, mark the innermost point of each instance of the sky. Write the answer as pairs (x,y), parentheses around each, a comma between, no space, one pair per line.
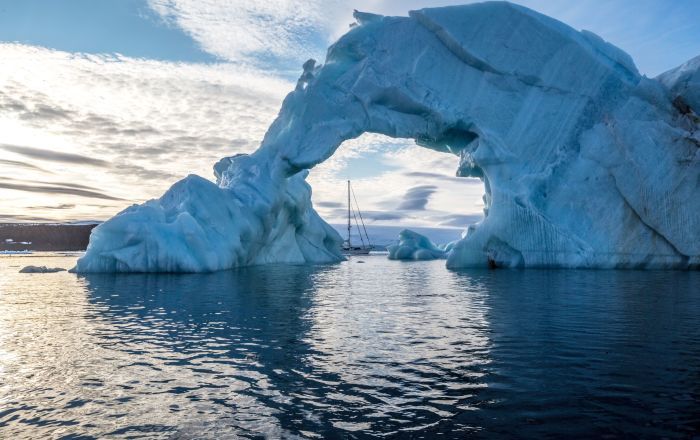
(106,103)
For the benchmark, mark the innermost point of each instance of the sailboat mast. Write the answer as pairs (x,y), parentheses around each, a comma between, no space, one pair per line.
(349,225)
(357,205)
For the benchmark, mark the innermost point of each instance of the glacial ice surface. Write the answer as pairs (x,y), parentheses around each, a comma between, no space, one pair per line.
(586,163)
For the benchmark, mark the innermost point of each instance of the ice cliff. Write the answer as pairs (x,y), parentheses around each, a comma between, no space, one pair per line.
(586,163)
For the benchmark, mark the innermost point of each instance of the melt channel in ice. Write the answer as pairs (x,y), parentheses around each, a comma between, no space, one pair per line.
(586,163)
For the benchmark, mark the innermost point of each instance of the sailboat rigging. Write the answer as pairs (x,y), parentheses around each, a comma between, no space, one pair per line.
(348,247)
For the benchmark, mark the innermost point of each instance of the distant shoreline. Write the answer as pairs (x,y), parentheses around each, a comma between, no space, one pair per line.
(45,236)
(75,236)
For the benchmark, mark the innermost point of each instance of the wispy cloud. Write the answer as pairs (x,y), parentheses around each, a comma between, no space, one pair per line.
(61,206)
(327,204)
(416,198)
(54,156)
(66,184)
(46,189)
(13,218)
(20,164)
(458,220)
(260,33)
(438,176)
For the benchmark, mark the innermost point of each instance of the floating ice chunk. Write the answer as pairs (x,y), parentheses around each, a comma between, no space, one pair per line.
(198,226)
(414,246)
(41,269)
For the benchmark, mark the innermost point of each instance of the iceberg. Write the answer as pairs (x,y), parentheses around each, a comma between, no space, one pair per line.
(247,218)
(414,246)
(585,162)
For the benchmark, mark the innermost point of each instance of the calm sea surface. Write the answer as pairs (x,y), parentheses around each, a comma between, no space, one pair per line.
(355,350)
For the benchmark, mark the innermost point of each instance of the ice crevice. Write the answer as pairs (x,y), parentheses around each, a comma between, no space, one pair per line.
(657,233)
(586,163)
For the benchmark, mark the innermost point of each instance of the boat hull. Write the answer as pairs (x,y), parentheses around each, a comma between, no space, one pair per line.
(355,251)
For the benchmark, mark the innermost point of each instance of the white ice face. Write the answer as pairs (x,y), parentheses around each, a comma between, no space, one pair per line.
(585,162)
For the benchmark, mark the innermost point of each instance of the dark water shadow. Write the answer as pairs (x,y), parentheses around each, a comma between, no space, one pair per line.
(590,353)
(561,353)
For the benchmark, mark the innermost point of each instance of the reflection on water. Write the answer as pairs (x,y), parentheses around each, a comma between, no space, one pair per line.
(382,348)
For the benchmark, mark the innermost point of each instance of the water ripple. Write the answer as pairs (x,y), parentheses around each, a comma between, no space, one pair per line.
(383,349)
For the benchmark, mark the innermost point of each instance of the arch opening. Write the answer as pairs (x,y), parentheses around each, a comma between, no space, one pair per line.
(400,186)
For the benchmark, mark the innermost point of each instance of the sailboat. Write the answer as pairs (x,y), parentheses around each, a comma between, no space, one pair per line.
(365,246)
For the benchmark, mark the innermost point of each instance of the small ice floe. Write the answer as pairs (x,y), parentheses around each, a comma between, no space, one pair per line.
(414,246)
(11,241)
(41,269)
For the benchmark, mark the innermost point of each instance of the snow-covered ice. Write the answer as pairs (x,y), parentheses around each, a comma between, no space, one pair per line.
(586,163)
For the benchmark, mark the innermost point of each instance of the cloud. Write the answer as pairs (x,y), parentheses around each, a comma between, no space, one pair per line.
(17,163)
(269,32)
(383,215)
(459,220)
(145,174)
(369,216)
(66,184)
(5,218)
(416,198)
(437,176)
(326,204)
(54,156)
(44,113)
(61,206)
(132,125)
(57,190)
(428,175)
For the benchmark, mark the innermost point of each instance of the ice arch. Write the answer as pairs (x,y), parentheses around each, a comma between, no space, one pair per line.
(586,162)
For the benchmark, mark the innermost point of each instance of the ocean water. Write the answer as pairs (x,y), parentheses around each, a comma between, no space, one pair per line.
(372,349)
